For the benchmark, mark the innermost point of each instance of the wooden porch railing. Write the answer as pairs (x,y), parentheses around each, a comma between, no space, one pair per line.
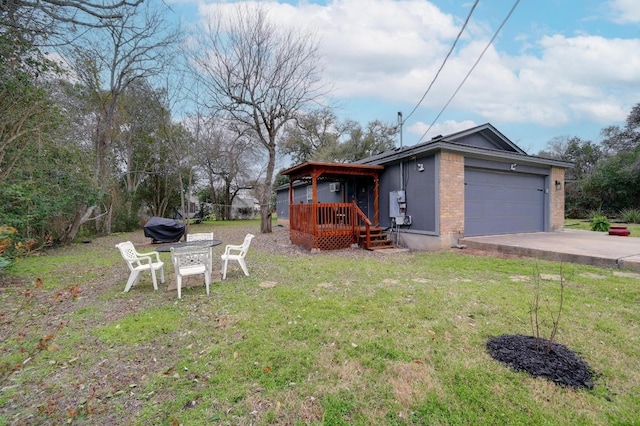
(362,221)
(327,226)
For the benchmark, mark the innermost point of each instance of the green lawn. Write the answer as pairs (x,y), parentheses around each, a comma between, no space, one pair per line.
(336,338)
(585,224)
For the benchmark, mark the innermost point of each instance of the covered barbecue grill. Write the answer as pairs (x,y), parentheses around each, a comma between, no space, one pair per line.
(160,229)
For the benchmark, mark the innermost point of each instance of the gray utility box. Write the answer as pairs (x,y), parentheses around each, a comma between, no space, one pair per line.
(398,207)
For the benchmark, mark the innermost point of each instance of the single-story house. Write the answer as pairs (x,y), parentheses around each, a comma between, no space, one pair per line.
(424,197)
(244,206)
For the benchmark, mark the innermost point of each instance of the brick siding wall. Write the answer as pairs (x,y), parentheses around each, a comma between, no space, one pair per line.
(451,188)
(557,200)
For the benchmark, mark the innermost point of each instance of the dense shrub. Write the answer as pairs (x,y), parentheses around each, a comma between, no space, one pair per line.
(595,213)
(630,215)
(12,246)
(600,224)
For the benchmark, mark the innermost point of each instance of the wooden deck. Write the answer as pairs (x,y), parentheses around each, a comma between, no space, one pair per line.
(332,226)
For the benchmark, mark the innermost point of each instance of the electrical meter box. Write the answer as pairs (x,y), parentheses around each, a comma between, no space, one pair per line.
(398,205)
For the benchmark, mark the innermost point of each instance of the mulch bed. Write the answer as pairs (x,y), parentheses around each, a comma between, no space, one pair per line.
(526,353)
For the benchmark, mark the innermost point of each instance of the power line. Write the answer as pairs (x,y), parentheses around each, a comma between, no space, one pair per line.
(443,62)
(472,68)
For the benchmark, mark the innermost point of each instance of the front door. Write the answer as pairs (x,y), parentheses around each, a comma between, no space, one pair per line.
(362,193)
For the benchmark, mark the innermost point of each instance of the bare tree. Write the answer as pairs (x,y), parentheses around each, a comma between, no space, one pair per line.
(28,114)
(260,76)
(136,47)
(42,16)
(227,160)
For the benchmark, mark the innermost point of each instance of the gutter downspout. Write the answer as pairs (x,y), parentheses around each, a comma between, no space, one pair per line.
(401,170)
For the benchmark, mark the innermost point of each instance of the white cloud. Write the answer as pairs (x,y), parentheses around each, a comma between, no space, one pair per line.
(389,51)
(625,11)
(444,128)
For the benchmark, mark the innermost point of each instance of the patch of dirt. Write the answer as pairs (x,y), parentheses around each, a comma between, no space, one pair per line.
(526,353)
(626,274)
(593,276)
(550,277)
(485,253)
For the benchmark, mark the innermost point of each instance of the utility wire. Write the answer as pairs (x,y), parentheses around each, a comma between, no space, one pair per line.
(472,68)
(443,62)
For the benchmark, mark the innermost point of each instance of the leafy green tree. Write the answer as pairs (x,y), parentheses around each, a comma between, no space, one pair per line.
(626,139)
(312,136)
(41,196)
(142,116)
(28,115)
(161,190)
(585,156)
(616,182)
(40,179)
(281,179)
(319,136)
(378,137)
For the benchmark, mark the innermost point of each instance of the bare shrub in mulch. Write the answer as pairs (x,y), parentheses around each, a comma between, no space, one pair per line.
(527,353)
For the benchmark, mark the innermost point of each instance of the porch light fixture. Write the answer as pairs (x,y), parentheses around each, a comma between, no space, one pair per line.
(420,167)
(558,185)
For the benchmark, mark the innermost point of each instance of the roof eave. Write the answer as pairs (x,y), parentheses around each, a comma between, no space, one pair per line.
(395,156)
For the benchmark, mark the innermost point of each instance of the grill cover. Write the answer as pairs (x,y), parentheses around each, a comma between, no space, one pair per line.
(163,230)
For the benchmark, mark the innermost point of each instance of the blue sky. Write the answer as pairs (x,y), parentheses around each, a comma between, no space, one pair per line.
(557,68)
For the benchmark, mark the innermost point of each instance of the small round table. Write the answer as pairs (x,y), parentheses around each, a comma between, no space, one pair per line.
(166,247)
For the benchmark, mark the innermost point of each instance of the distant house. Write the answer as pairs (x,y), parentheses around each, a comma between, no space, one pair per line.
(193,210)
(244,206)
(470,183)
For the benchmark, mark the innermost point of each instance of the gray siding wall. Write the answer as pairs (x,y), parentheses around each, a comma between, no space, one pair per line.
(420,189)
(502,166)
(282,203)
(300,196)
(477,141)
(326,196)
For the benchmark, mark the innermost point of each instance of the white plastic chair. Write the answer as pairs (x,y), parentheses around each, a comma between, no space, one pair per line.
(200,236)
(140,262)
(236,252)
(189,261)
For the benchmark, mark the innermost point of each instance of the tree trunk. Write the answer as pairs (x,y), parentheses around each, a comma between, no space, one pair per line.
(265,199)
(82,215)
(109,218)
(265,219)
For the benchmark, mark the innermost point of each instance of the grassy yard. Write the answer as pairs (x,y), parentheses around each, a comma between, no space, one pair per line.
(335,338)
(586,224)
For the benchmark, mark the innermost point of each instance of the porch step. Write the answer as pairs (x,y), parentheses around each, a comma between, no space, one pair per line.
(384,247)
(378,239)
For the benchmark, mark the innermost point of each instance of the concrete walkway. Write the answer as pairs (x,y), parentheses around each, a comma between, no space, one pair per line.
(575,246)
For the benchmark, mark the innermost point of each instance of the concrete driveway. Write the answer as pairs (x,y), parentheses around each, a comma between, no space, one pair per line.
(575,246)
